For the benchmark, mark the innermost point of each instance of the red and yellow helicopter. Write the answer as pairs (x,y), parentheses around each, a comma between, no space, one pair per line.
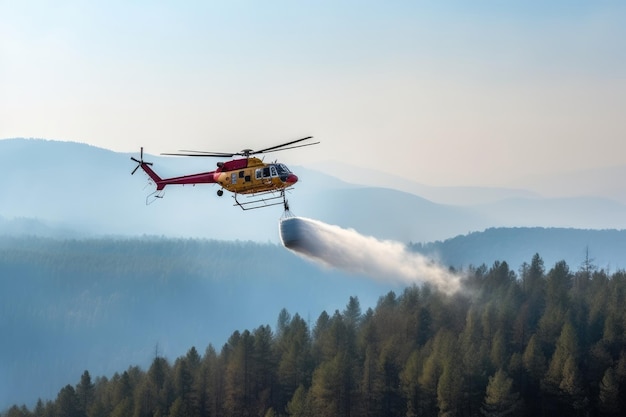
(264,184)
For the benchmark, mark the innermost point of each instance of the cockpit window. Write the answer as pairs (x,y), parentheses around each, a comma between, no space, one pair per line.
(282,169)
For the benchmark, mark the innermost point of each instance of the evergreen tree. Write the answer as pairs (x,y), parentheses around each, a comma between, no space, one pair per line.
(300,403)
(500,400)
(499,352)
(447,372)
(609,394)
(186,401)
(550,327)
(558,283)
(533,286)
(533,359)
(238,377)
(475,357)
(145,402)
(535,366)
(178,408)
(561,384)
(40,408)
(320,337)
(293,345)
(122,388)
(123,408)
(371,385)
(158,375)
(67,403)
(449,388)
(154,394)
(282,323)
(213,392)
(429,376)
(410,385)
(326,389)
(263,372)
(533,276)
(572,389)
(16,411)
(193,359)
(566,347)
(391,400)
(85,393)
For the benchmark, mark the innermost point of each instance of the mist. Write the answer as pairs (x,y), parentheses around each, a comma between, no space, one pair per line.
(350,251)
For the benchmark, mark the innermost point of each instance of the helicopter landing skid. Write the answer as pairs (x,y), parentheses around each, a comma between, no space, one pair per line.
(261,200)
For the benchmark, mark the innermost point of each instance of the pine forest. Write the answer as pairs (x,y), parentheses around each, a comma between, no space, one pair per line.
(532,342)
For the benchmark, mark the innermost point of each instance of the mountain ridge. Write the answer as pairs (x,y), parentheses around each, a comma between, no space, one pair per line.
(89,189)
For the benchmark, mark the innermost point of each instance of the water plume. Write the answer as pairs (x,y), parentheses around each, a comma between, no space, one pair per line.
(348,250)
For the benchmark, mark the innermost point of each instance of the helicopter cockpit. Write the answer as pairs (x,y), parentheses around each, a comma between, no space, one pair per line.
(273,170)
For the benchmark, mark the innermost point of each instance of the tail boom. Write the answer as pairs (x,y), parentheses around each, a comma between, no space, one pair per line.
(153,176)
(202,178)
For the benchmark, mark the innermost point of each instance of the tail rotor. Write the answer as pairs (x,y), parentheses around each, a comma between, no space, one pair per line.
(139,161)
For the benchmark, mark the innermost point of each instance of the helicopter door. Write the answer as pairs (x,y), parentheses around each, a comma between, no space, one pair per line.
(233,178)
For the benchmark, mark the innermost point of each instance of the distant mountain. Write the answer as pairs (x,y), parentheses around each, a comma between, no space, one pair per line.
(390,214)
(603,248)
(571,212)
(460,196)
(606,182)
(602,183)
(21,226)
(89,190)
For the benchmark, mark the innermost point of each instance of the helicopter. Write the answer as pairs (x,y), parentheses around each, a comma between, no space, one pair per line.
(263,184)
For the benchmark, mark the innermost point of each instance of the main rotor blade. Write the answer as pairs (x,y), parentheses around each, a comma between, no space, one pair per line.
(291,147)
(273,148)
(246,152)
(206,154)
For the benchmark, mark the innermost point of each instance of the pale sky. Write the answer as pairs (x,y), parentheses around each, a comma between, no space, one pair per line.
(443,93)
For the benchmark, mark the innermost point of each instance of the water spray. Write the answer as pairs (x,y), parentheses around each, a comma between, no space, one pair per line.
(346,249)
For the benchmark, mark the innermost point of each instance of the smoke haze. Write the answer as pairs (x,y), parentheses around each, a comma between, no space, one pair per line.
(348,250)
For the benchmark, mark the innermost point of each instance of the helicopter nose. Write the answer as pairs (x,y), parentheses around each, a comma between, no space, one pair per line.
(292,179)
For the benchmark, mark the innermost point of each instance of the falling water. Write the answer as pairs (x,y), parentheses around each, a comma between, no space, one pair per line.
(346,249)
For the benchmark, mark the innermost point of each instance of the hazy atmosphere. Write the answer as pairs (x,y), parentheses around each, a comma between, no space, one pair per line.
(444,93)
(454,244)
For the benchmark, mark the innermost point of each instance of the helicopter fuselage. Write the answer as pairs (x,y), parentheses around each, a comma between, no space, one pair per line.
(239,176)
(251,175)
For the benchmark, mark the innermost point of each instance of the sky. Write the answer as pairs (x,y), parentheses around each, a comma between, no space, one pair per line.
(439,92)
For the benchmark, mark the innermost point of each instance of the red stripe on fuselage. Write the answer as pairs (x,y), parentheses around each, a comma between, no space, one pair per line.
(202,178)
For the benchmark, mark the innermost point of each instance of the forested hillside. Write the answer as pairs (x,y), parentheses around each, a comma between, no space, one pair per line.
(549,341)
(518,244)
(101,304)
